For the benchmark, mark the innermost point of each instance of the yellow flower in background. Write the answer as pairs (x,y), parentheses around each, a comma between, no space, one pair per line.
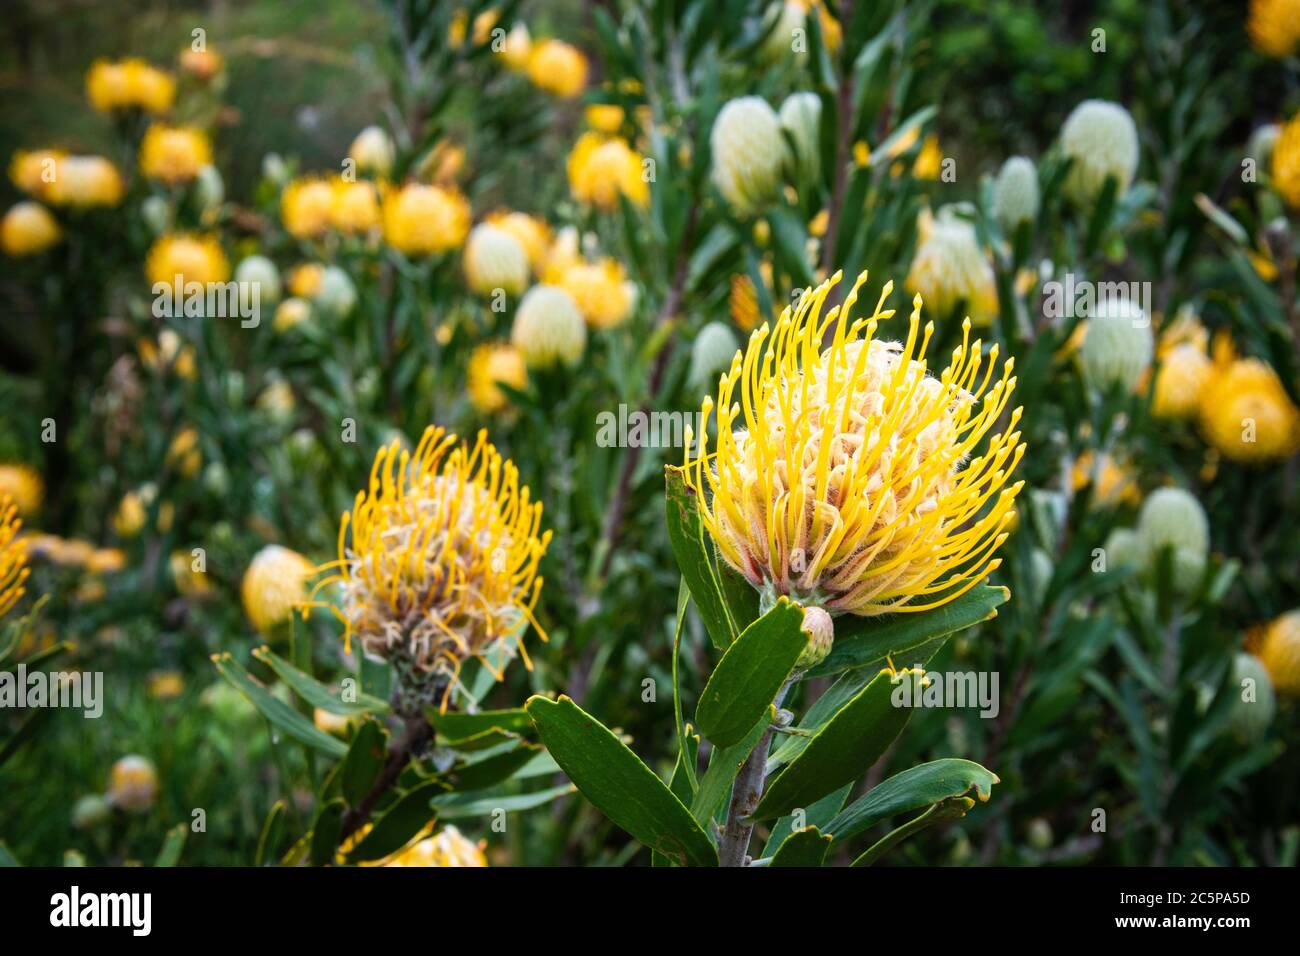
(605,117)
(184,453)
(354,206)
(1184,370)
(28,229)
(1246,414)
(33,171)
(273,586)
(305,207)
(290,312)
(23,486)
(168,353)
(165,685)
(85,181)
(444,164)
(201,64)
(841,476)
(483,24)
(133,784)
(438,557)
(132,512)
(529,231)
(174,154)
(1112,482)
(562,254)
(190,582)
(495,259)
(601,168)
(195,258)
(832,32)
(743,302)
(602,291)
(491,365)
(305,279)
(277,400)
(515,51)
(950,267)
(129,84)
(929,159)
(1279,649)
(1274,26)
(448,848)
(557,67)
(1286,162)
(13,556)
(422,220)
(106,560)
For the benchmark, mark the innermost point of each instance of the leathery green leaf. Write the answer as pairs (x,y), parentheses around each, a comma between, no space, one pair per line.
(843,749)
(694,557)
(750,673)
(806,847)
(914,788)
(615,780)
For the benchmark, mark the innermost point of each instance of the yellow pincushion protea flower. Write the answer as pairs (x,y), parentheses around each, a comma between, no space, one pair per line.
(1279,649)
(422,220)
(305,207)
(32,171)
(174,154)
(602,291)
(133,784)
(354,206)
(1286,162)
(274,585)
(449,847)
(529,231)
(195,258)
(28,229)
(129,84)
(1184,369)
(841,476)
(603,167)
(13,557)
(1112,481)
(438,558)
(1246,413)
(557,67)
(742,302)
(604,117)
(1274,26)
(85,181)
(23,486)
(305,279)
(491,365)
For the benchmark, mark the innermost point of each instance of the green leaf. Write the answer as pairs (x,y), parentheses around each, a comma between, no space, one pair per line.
(724,765)
(842,750)
(790,242)
(455,806)
(364,761)
(325,833)
(316,693)
(173,844)
(491,769)
(270,836)
(396,828)
(752,670)
(455,726)
(280,714)
(952,809)
(806,847)
(861,640)
(914,788)
(25,732)
(615,780)
(7,859)
(686,535)
(817,815)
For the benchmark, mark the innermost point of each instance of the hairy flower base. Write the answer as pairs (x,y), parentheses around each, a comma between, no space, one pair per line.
(841,476)
(438,557)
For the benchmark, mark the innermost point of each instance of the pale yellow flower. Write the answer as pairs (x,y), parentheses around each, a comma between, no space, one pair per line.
(491,365)
(174,154)
(1246,414)
(306,205)
(133,784)
(1274,26)
(85,181)
(23,486)
(28,229)
(557,67)
(273,586)
(602,167)
(529,231)
(195,258)
(422,220)
(602,291)
(1286,162)
(13,556)
(1280,651)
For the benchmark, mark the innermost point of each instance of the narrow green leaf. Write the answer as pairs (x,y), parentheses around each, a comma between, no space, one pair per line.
(270,836)
(806,847)
(455,726)
(7,859)
(724,764)
(750,673)
(952,809)
(325,833)
(455,806)
(492,769)
(914,788)
(280,714)
(842,750)
(861,640)
(817,815)
(615,780)
(173,844)
(317,694)
(686,535)
(364,761)
(396,828)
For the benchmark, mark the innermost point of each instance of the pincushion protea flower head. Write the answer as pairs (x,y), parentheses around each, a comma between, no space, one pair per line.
(438,558)
(1274,26)
(841,476)
(13,557)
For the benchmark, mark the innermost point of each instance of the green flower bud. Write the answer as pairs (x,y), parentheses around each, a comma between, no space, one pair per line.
(749,152)
(1040,835)
(92,811)
(494,259)
(261,272)
(711,355)
(1015,193)
(1254,702)
(209,188)
(1102,141)
(157,214)
(819,627)
(1117,345)
(336,295)
(1122,550)
(548,328)
(801,116)
(1173,518)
